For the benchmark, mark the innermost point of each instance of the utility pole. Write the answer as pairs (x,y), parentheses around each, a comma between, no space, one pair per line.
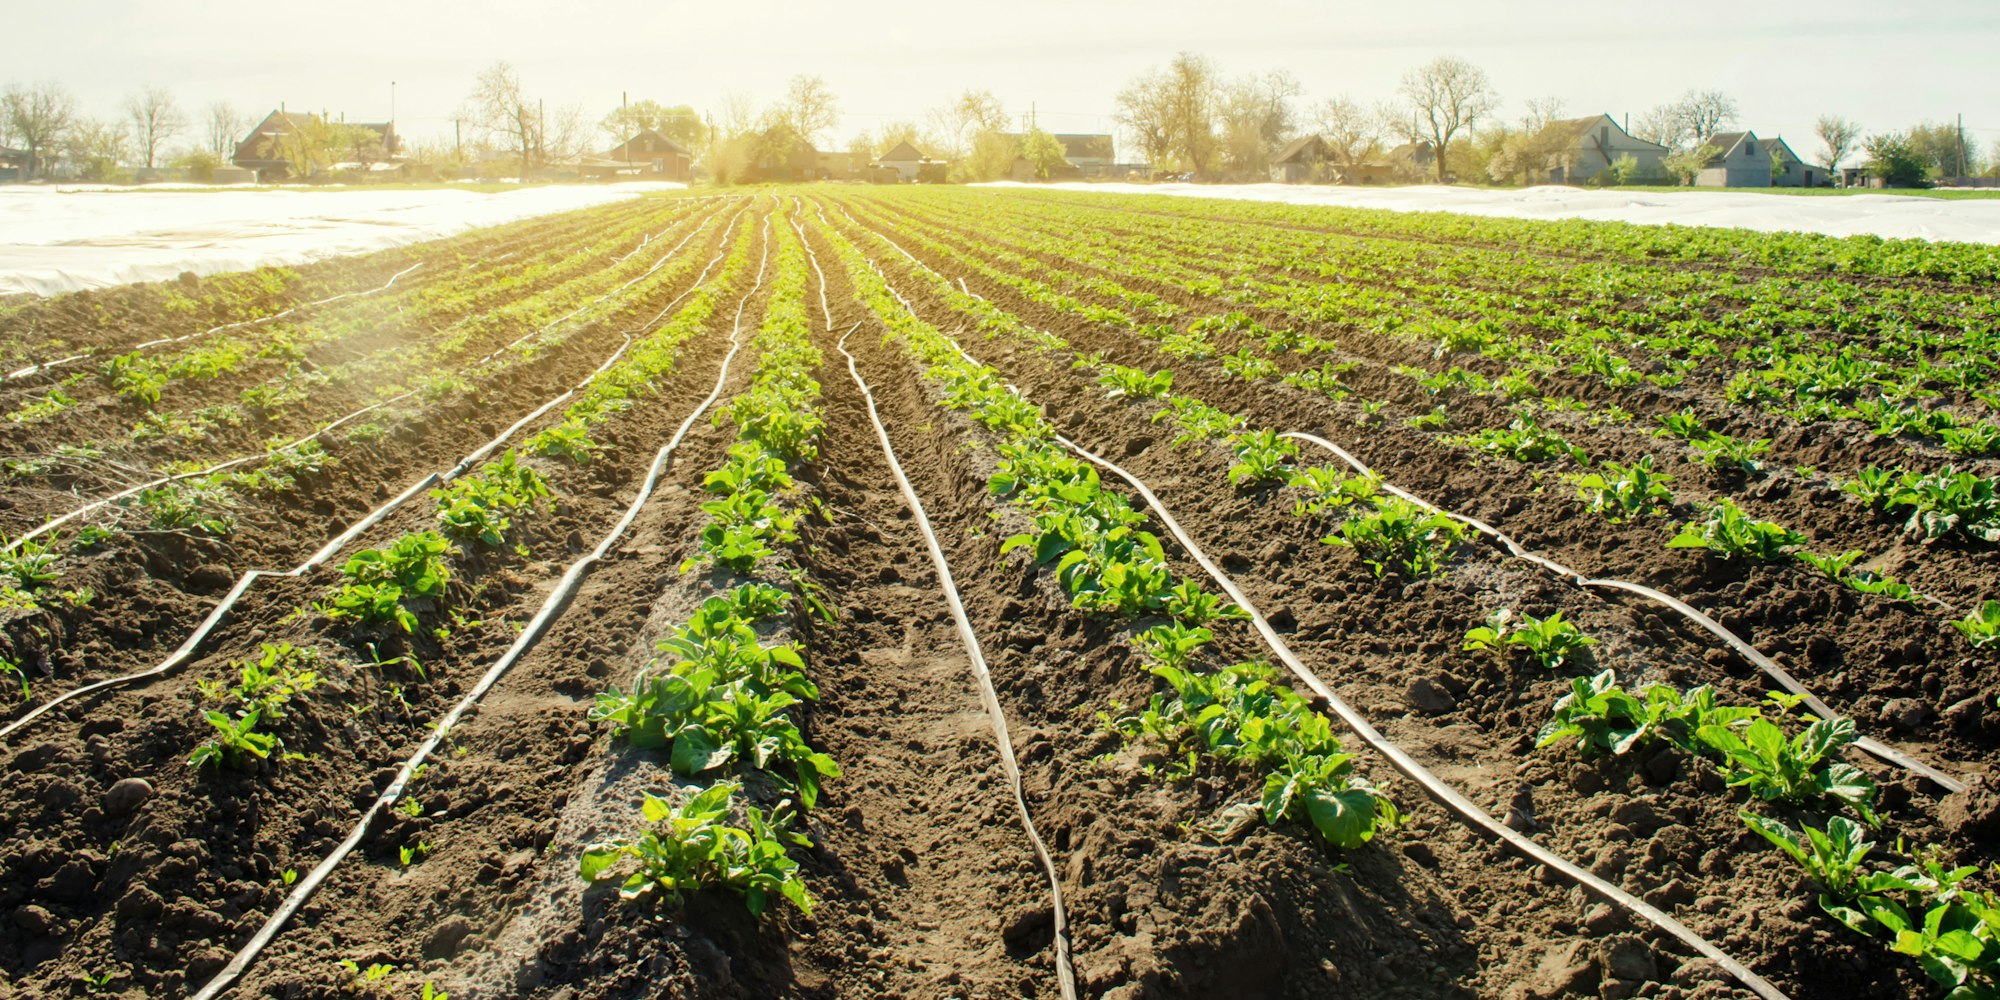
(1959,154)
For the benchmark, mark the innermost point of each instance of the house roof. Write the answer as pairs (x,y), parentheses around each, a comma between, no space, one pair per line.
(1726,143)
(904,151)
(1303,149)
(1778,142)
(1575,130)
(660,142)
(1078,145)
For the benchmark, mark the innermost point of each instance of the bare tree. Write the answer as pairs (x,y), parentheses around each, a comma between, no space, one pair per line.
(1839,136)
(1664,125)
(1443,97)
(679,122)
(892,133)
(39,116)
(94,148)
(1351,133)
(1707,112)
(155,119)
(809,107)
(1257,117)
(1542,112)
(225,126)
(499,107)
(959,124)
(1172,114)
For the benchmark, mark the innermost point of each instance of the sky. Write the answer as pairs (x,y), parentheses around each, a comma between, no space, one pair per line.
(1885,65)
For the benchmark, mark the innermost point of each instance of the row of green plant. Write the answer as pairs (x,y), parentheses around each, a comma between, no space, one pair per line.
(1239,716)
(719,697)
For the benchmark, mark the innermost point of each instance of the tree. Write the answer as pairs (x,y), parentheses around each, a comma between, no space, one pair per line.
(1044,152)
(1172,114)
(1257,118)
(1441,98)
(1837,135)
(959,124)
(1685,165)
(1542,112)
(1899,163)
(94,149)
(312,144)
(39,117)
(809,107)
(225,126)
(1624,170)
(680,122)
(1664,125)
(1706,113)
(155,119)
(499,107)
(892,133)
(1940,144)
(990,158)
(1351,133)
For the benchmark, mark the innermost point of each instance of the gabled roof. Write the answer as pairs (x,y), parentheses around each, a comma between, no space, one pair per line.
(1726,143)
(1778,142)
(1304,149)
(1578,130)
(659,142)
(903,151)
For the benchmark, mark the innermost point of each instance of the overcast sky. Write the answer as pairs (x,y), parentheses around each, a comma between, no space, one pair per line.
(1886,65)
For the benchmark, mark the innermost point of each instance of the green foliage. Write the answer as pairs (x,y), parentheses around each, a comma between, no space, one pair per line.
(569,439)
(1549,641)
(235,738)
(1730,533)
(1981,627)
(269,682)
(1133,383)
(1399,535)
(477,508)
(1797,772)
(1242,715)
(135,377)
(1261,457)
(692,847)
(1839,568)
(1523,440)
(380,582)
(1621,491)
(28,565)
(1940,505)
(189,505)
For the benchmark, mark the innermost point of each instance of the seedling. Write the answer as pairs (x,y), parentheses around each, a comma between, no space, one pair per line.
(1621,491)
(1728,532)
(1549,641)
(690,847)
(1399,535)
(1982,626)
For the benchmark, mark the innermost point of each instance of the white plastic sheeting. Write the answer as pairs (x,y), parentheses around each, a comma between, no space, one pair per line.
(60,239)
(1970,220)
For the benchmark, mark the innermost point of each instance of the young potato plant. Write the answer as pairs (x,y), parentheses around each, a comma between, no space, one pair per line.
(1924,908)
(269,682)
(192,505)
(236,739)
(1331,490)
(692,847)
(1548,641)
(1981,627)
(1840,569)
(29,566)
(1940,505)
(1750,747)
(1198,421)
(1731,534)
(1133,383)
(478,508)
(1621,492)
(1399,535)
(1243,715)
(380,582)
(1261,457)
(1522,440)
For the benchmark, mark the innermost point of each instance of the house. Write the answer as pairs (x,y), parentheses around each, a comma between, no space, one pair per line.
(1741,161)
(263,150)
(904,159)
(1581,150)
(13,164)
(652,154)
(781,154)
(840,166)
(1090,154)
(1305,158)
(1365,172)
(1788,171)
(1413,160)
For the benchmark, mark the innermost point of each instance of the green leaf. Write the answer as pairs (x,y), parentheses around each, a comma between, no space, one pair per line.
(1346,818)
(596,860)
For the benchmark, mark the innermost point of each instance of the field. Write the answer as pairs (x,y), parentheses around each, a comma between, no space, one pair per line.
(995,593)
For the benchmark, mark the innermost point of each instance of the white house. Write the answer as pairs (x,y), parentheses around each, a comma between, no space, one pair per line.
(1587,147)
(1742,161)
(1788,171)
(904,160)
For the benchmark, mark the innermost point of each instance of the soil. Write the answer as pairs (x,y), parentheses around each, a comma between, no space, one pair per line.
(924,879)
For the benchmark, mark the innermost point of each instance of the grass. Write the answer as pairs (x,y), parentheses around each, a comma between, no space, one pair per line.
(1818,192)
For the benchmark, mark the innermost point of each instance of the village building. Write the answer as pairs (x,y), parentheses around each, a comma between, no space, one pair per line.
(1303,160)
(1787,170)
(1585,149)
(263,150)
(651,154)
(1741,160)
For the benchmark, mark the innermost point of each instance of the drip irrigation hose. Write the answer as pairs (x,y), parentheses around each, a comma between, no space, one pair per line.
(60,520)
(187,650)
(42,366)
(1065,979)
(1447,796)
(552,608)
(1768,666)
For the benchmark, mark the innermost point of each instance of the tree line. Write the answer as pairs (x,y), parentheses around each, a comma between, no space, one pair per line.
(1187,117)
(1190,117)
